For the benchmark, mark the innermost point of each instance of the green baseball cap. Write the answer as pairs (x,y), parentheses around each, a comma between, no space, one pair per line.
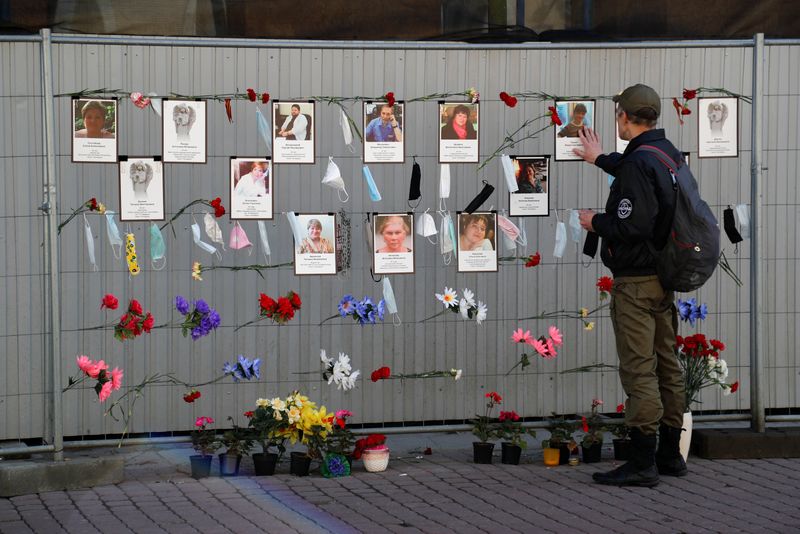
(637,98)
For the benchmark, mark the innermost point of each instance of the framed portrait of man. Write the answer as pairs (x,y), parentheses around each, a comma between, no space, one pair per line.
(477,242)
(184,131)
(393,243)
(316,252)
(574,115)
(141,188)
(532,199)
(718,127)
(293,131)
(383,124)
(459,124)
(251,195)
(94,130)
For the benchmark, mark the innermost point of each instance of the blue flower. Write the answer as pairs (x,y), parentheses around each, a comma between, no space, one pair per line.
(201,306)
(381,309)
(346,305)
(215,319)
(362,310)
(228,369)
(336,465)
(684,310)
(699,313)
(206,324)
(181,305)
(255,369)
(244,367)
(198,332)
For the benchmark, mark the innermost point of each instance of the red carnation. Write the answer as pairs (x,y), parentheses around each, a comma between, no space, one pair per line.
(390,98)
(689,94)
(554,118)
(285,307)
(533,260)
(135,307)
(605,283)
(380,374)
(295,300)
(110,302)
(148,322)
(585,424)
(264,98)
(620,407)
(219,209)
(266,303)
(93,204)
(717,344)
(191,396)
(735,387)
(341,422)
(248,413)
(678,109)
(509,100)
(686,111)
(386,372)
(495,398)
(251,95)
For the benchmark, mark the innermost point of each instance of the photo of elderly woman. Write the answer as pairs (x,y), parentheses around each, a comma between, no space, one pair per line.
(458,132)
(532,199)
(94,127)
(251,188)
(316,251)
(394,244)
(477,251)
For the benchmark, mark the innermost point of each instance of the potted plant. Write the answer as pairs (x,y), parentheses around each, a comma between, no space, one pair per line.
(621,441)
(558,446)
(373,450)
(592,439)
(308,425)
(510,429)
(339,447)
(269,423)
(204,441)
(237,442)
(484,429)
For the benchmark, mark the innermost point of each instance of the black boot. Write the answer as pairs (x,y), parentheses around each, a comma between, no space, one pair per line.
(640,470)
(668,456)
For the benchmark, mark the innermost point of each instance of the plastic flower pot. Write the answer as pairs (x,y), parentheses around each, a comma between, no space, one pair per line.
(510,453)
(375,460)
(622,449)
(592,453)
(482,452)
(335,465)
(201,465)
(299,464)
(229,464)
(264,463)
(551,456)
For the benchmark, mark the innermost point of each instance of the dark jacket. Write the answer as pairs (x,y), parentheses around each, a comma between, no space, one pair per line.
(639,208)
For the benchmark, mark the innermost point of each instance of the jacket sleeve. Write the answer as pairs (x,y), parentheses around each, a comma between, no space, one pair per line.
(631,216)
(608,162)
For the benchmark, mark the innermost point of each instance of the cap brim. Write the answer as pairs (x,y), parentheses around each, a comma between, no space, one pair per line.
(616,98)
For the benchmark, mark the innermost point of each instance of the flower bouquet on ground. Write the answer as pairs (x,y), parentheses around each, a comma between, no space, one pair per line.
(200,321)
(593,429)
(558,446)
(484,427)
(339,448)
(374,451)
(204,441)
(510,430)
(702,367)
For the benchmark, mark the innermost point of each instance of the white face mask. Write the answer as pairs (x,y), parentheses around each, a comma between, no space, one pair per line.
(575,226)
(743,215)
(294,224)
(90,243)
(444,185)
(508,172)
(447,237)
(114,239)
(426,226)
(347,133)
(264,129)
(155,103)
(262,232)
(200,243)
(333,178)
(213,231)
(561,240)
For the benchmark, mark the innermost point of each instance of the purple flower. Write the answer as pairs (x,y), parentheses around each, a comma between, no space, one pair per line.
(215,318)
(181,305)
(346,305)
(381,309)
(206,324)
(197,333)
(202,306)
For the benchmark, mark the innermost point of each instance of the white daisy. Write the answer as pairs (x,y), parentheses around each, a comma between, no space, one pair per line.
(463,309)
(349,382)
(469,296)
(483,310)
(449,298)
(323,356)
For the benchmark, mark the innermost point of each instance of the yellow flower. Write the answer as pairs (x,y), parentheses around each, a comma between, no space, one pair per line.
(589,326)
(197,269)
(262,403)
(294,414)
(584,312)
(101,208)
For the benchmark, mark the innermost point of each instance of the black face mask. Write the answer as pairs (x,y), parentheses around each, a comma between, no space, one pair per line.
(414,192)
(478,201)
(590,244)
(729,224)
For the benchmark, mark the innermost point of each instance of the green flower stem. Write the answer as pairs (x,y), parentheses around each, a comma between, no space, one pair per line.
(180,212)
(426,374)
(726,267)
(592,367)
(329,318)
(254,267)
(565,314)
(509,140)
(438,96)
(440,313)
(82,209)
(706,90)
(248,323)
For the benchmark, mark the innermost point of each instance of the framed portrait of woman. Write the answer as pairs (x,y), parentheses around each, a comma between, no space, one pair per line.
(184,132)
(393,243)
(532,199)
(384,141)
(315,254)
(251,195)
(458,132)
(94,130)
(293,130)
(477,242)
(574,115)
(141,188)
(718,127)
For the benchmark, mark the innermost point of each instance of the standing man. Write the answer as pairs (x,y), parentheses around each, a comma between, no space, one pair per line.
(637,219)
(384,128)
(295,125)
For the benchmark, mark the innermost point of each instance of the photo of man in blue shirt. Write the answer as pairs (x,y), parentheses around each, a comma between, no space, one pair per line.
(384,129)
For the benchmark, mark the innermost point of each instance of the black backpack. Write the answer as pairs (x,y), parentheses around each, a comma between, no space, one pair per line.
(691,251)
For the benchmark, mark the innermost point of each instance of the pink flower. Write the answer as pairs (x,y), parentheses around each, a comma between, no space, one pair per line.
(555,335)
(551,349)
(519,337)
(342,414)
(90,368)
(139,100)
(539,346)
(105,392)
(596,402)
(116,378)
(203,421)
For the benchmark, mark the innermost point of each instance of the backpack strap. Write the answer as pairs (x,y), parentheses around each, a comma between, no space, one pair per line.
(664,158)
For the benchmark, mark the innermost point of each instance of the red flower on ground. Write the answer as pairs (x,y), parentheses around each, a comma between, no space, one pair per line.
(735,387)
(109,301)
(605,283)
(554,118)
(689,94)
(533,260)
(509,100)
(135,307)
(584,424)
(219,209)
(264,98)
(717,344)
(251,95)
(511,416)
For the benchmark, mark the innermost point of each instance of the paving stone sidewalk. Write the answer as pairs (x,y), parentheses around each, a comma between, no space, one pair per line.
(441,492)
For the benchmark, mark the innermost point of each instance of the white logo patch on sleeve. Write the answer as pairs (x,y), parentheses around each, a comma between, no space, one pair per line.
(624,208)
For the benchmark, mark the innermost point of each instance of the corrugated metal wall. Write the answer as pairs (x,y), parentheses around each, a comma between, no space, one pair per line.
(484,352)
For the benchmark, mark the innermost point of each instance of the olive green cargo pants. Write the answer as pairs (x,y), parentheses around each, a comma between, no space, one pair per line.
(645,321)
